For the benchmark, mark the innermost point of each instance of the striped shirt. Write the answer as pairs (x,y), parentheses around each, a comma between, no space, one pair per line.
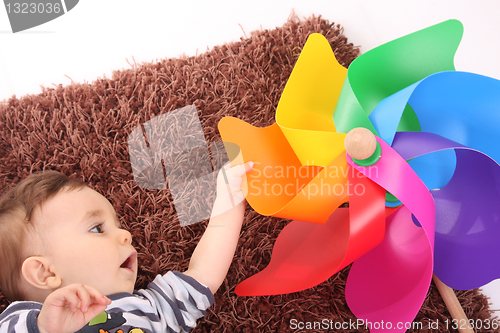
(171,303)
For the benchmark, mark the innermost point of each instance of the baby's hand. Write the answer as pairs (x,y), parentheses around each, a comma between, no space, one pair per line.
(68,309)
(229,181)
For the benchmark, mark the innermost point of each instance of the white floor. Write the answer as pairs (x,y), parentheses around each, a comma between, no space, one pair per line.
(97,37)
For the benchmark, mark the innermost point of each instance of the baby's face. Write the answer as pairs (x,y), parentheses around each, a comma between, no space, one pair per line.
(83,239)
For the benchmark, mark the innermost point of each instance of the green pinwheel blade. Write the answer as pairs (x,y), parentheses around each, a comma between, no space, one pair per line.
(389,68)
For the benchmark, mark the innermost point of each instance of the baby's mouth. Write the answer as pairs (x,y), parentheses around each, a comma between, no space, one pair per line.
(129,262)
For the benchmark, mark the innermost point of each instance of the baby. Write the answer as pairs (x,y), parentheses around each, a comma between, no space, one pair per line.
(56,233)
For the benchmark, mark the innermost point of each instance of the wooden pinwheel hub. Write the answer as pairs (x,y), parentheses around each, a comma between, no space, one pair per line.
(360,143)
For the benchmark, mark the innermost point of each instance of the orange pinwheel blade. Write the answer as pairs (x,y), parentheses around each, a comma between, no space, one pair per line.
(279,185)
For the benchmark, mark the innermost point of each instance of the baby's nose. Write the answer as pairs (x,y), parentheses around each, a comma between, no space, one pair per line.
(125,236)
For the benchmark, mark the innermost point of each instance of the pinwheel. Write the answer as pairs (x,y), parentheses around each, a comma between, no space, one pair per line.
(425,202)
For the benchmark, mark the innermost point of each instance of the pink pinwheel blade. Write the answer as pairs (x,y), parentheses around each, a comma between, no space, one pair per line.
(390,282)
(388,285)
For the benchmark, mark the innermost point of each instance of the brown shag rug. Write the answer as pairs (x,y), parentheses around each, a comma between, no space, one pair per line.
(82,129)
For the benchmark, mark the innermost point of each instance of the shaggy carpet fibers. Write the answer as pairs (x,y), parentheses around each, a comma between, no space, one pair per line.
(82,129)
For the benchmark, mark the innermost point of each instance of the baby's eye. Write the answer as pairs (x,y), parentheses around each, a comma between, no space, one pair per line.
(97,229)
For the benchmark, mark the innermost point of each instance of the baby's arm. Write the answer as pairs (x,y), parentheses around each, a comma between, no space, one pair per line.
(214,253)
(68,309)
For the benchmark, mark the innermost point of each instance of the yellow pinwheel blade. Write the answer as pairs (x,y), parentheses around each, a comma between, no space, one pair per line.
(305,110)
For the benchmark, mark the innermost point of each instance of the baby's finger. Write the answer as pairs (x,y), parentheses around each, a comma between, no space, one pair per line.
(97,296)
(248,166)
(98,304)
(240,169)
(84,296)
(69,297)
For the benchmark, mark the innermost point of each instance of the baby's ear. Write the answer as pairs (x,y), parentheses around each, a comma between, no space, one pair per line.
(38,272)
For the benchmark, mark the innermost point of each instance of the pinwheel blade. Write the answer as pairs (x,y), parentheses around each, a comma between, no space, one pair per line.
(467,212)
(306,254)
(388,285)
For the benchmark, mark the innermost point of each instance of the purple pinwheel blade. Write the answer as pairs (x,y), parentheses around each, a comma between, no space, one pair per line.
(467,212)
(468,223)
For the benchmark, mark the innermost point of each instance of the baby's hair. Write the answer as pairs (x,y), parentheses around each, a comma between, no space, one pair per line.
(16,209)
